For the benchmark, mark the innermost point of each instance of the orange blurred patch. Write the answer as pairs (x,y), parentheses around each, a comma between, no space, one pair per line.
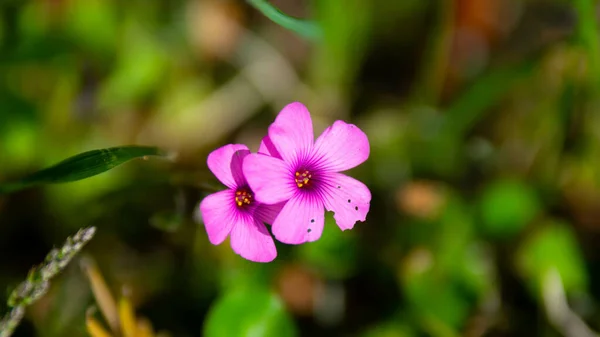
(421,199)
(297,286)
(483,16)
(214,27)
(478,26)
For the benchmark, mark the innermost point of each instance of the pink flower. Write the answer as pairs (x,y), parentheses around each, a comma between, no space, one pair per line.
(235,211)
(291,167)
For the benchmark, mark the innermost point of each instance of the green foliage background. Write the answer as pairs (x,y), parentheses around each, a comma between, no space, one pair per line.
(484,123)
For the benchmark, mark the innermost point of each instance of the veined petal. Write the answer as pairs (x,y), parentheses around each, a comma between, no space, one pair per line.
(226,164)
(268,213)
(301,220)
(219,215)
(348,198)
(251,240)
(340,147)
(269,178)
(267,147)
(292,132)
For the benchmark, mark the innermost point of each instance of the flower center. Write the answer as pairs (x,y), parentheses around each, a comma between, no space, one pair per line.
(303,178)
(243,197)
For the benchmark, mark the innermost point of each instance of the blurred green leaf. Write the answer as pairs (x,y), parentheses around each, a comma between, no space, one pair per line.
(33,21)
(470,107)
(81,166)
(307,29)
(140,68)
(396,327)
(17,143)
(432,295)
(19,131)
(475,270)
(167,221)
(346,32)
(453,233)
(249,312)
(459,257)
(552,247)
(430,81)
(236,271)
(588,34)
(2,29)
(334,254)
(93,24)
(388,133)
(431,150)
(506,207)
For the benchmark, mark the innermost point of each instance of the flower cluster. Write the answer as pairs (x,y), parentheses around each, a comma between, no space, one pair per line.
(288,184)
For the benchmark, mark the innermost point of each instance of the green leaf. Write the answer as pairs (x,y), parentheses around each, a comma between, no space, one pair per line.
(507,206)
(432,295)
(335,254)
(307,29)
(437,55)
(552,247)
(2,31)
(471,106)
(92,24)
(81,166)
(249,312)
(587,27)
(346,36)
(140,69)
(397,326)
(167,221)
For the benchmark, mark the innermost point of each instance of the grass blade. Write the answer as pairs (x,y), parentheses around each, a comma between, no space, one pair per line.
(307,29)
(471,106)
(81,166)
(588,35)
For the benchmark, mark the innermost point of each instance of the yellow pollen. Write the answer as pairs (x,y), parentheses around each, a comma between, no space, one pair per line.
(303,178)
(243,197)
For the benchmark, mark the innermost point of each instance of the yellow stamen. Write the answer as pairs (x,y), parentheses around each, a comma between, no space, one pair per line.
(303,178)
(94,328)
(128,323)
(243,197)
(104,298)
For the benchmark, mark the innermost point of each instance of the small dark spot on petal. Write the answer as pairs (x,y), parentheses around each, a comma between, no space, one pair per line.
(312,220)
(349,201)
(309,230)
(339,186)
(356,208)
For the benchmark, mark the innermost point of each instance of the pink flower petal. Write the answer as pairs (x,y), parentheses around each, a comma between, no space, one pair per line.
(269,178)
(301,220)
(226,164)
(348,198)
(292,132)
(268,213)
(218,214)
(251,240)
(267,147)
(341,146)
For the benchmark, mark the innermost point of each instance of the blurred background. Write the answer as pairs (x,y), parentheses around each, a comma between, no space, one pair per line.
(484,123)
